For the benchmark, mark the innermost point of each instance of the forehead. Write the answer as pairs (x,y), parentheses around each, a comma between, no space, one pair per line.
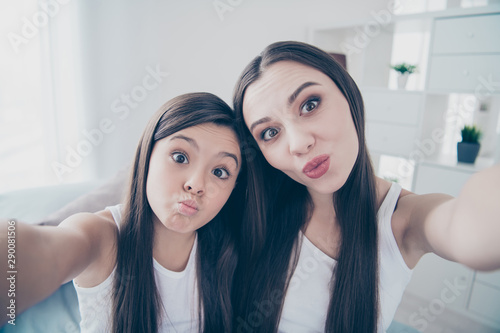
(280,80)
(211,136)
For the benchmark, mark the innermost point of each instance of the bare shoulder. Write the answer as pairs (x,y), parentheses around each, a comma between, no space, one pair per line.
(96,226)
(408,223)
(382,187)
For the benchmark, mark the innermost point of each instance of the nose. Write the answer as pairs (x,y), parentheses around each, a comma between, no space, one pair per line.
(195,185)
(301,140)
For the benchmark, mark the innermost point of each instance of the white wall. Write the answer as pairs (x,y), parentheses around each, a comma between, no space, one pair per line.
(187,39)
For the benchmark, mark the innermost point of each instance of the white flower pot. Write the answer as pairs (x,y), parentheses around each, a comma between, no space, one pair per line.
(402,79)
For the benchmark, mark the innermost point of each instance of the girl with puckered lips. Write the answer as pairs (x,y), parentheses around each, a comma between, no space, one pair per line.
(329,246)
(163,260)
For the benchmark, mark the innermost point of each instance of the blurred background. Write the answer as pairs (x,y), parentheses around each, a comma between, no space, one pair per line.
(85,62)
(80,79)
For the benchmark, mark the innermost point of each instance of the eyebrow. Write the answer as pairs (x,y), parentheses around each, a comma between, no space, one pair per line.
(297,91)
(226,154)
(291,99)
(258,122)
(189,140)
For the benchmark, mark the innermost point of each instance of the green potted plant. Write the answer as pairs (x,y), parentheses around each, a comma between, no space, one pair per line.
(404,70)
(468,148)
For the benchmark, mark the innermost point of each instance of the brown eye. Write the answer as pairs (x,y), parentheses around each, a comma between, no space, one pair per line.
(269,133)
(221,173)
(309,106)
(180,158)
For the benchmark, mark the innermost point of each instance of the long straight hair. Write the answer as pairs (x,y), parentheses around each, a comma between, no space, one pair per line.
(278,208)
(137,306)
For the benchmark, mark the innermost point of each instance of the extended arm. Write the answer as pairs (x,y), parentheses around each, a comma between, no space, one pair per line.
(46,257)
(465,229)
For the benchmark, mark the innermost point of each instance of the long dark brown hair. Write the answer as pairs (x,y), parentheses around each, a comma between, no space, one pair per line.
(278,208)
(136,302)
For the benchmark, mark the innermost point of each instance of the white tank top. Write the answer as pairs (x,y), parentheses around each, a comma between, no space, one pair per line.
(178,292)
(308,296)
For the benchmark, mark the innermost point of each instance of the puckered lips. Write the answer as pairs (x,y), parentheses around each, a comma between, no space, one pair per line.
(188,207)
(317,167)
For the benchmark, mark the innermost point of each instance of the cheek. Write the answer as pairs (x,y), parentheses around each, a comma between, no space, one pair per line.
(156,195)
(350,144)
(275,154)
(352,136)
(151,187)
(218,193)
(160,188)
(218,190)
(215,204)
(343,131)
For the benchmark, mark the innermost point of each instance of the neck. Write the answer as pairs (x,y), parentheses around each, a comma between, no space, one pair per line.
(171,249)
(323,207)
(323,228)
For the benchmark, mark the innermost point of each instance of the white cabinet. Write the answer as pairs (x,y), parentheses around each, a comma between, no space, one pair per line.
(446,175)
(446,275)
(463,73)
(431,178)
(465,53)
(399,108)
(485,301)
(491,278)
(392,120)
(485,297)
(467,34)
(390,139)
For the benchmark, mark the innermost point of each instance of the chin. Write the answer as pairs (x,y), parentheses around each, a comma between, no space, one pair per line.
(182,229)
(322,189)
(327,186)
(179,224)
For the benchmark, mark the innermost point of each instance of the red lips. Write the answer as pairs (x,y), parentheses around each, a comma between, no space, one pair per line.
(317,167)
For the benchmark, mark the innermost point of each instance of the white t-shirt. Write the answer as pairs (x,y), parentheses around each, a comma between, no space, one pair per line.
(178,292)
(308,296)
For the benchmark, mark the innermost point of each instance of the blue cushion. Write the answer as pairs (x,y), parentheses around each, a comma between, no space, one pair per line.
(58,313)
(33,204)
(397,327)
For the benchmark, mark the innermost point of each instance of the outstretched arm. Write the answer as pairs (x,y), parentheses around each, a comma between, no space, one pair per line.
(45,257)
(465,229)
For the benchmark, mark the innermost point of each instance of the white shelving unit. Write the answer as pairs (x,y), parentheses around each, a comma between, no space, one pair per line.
(458,52)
